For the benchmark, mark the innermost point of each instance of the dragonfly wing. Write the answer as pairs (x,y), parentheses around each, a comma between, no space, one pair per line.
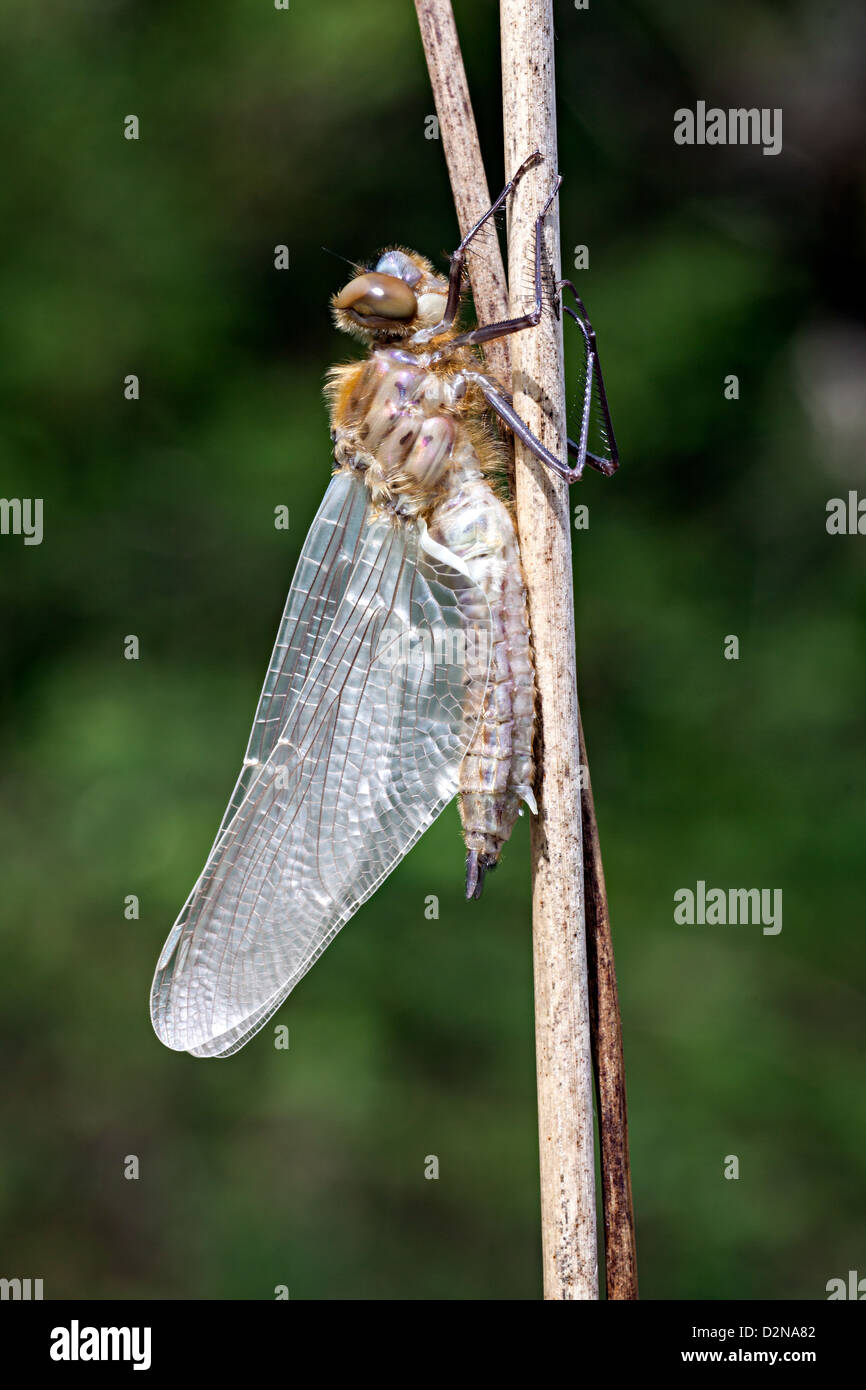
(377,700)
(327,559)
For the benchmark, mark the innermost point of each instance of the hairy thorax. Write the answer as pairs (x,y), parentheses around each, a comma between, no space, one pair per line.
(409,425)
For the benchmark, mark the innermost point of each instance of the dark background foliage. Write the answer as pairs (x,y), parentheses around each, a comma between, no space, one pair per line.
(414,1037)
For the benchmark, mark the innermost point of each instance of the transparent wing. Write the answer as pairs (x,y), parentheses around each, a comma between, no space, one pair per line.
(327,559)
(371,699)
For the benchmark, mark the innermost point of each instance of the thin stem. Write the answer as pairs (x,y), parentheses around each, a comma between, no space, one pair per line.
(465,169)
(562,1030)
(471,198)
(620,1254)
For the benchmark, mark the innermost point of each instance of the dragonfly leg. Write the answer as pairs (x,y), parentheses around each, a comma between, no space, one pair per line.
(458,260)
(593,369)
(529,320)
(501,403)
(606,466)
(583,320)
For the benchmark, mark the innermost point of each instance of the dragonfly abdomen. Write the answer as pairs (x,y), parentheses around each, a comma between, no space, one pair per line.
(497,770)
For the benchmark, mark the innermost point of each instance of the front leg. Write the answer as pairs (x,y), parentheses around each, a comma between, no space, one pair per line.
(507,326)
(458,260)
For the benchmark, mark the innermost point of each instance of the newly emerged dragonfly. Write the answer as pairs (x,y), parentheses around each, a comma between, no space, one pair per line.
(402,673)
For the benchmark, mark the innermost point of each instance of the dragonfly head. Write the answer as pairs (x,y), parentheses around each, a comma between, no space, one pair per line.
(394,298)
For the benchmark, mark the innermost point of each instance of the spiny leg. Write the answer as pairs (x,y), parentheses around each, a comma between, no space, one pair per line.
(607,467)
(458,260)
(499,400)
(530,320)
(504,408)
(502,405)
(593,369)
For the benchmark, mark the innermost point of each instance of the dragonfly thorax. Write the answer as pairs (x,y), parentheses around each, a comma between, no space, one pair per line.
(403,425)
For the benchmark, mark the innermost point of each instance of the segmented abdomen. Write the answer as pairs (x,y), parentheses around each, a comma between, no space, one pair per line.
(497,771)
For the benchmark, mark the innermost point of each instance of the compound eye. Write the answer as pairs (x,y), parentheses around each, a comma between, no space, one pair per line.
(399,264)
(378,296)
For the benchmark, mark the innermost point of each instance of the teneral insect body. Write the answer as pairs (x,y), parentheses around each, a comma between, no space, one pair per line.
(402,673)
(413,433)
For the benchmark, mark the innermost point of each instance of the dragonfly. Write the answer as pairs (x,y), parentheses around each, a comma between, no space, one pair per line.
(402,674)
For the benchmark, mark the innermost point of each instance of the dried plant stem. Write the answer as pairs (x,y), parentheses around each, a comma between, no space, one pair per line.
(471,198)
(465,169)
(620,1253)
(562,1031)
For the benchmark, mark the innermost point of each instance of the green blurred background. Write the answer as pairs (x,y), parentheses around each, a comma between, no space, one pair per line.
(414,1037)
